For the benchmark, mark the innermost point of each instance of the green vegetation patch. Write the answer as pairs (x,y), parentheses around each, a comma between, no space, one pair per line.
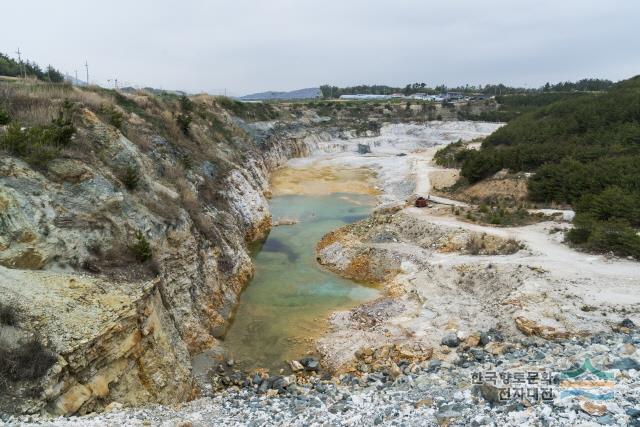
(38,145)
(114,117)
(11,67)
(583,151)
(5,118)
(141,248)
(250,111)
(452,155)
(499,214)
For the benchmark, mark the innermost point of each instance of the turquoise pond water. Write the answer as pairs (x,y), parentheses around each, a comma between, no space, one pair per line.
(287,303)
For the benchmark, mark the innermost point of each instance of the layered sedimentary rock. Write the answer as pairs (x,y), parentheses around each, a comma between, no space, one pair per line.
(122,328)
(113,342)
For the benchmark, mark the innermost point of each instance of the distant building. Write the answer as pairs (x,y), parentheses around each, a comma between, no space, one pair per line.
(420,96)
(452,96)
(364,97)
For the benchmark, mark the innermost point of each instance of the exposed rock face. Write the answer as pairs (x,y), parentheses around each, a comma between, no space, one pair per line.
(440,290)
(123,329)
(114,341)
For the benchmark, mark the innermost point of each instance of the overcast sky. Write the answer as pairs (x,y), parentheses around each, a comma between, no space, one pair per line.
(254,45)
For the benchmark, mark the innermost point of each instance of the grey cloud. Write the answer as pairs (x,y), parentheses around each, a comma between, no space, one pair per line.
(254,45)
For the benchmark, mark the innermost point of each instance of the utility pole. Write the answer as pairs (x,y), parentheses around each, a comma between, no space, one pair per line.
(22,70)
(76,82)
(86,65)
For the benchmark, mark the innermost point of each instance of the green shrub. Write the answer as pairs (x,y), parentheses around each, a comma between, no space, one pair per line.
(38,145)
(186,104)
(250,111)
(131,177)
(11,67)
(4,117)
(141,249)
(184,120)
(114,117)
(452,155)
(482,164)
(608,222)
(606,236)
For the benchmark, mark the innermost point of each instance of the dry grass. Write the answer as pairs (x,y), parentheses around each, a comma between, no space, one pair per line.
(174,134)
(34,104)
(139,138)
(511,246)
(483,244)
(475,244)
(188,197)
(163,206)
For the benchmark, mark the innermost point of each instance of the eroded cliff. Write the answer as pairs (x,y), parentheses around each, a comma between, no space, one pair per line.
(123,247)
(126,251)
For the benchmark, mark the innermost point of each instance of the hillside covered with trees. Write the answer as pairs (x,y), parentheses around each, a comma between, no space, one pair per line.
(12,68)
(584,151)
(584,85)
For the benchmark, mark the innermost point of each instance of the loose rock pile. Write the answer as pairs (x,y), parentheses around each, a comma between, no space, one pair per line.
(426,392)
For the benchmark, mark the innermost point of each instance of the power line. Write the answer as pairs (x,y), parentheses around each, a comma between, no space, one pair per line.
(22,69)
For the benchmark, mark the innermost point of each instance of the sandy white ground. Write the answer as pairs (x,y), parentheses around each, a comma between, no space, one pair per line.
(547,282)
(394,153)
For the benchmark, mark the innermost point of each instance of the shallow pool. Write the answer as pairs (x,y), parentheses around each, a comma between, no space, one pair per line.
(287,303)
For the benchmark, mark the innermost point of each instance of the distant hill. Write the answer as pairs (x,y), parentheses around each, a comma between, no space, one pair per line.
(309,93)
(76,82)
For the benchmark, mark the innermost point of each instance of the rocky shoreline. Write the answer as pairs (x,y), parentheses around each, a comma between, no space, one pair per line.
(430,393)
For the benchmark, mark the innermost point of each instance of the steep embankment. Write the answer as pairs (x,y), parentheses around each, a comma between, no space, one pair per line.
(141,227)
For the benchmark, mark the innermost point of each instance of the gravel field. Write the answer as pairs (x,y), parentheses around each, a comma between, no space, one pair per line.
(424,394)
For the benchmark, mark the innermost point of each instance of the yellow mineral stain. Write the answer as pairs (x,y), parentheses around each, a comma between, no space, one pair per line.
(322,181)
